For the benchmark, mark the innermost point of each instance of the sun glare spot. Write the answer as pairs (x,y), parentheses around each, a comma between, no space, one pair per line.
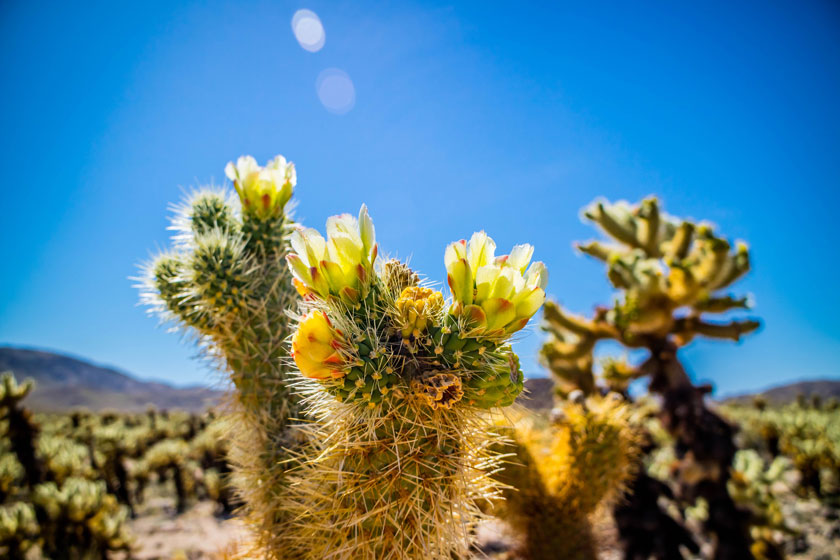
(308,30)
(335,90)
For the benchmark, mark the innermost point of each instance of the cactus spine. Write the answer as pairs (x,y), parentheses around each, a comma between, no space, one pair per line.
(670,274)
(401,384)
(226,283)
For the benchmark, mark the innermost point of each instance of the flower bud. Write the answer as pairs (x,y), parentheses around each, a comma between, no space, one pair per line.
(417,309)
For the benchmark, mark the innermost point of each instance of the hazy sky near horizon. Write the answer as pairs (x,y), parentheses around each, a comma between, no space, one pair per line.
(499,116)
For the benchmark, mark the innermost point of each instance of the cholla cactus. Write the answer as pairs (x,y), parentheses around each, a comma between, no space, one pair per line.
(80,519)
(809,437)
(210,449)
(11,474)
(115,444)
(47,504)
(400,382)
(670,275)
(20,429)
(226,283)
(168,459)
(63,458)
(18,529)
(754,486)
(561,474)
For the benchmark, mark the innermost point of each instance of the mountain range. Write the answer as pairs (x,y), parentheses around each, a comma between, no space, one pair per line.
(782,394)
(64,382)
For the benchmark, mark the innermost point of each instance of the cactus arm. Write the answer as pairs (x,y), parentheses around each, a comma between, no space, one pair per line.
(616,223)
(738,265)
(567,351)
(648,213)
(553,313)
(721,304)
(733,330)
(596,249)
(677,247)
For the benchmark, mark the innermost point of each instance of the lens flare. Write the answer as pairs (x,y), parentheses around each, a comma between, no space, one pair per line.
(308,30)
(335,90)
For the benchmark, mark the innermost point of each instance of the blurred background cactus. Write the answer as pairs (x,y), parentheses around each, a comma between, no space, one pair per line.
(804,432)
(226,284)
(671,274)
(755,485)
(402,382)
(21,431)
(561,477)
(48,500)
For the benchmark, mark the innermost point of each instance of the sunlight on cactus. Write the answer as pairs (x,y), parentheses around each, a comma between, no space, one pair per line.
(83,517)
(808,435)
(562,476)
(400,384)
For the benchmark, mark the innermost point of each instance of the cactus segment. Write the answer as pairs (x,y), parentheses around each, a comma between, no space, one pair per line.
(226,284)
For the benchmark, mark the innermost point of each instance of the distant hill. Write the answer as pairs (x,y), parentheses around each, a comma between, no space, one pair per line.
(538,394)
(64,382)
(825,388)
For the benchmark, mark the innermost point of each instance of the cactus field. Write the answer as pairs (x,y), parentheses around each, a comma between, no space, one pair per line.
(158,484)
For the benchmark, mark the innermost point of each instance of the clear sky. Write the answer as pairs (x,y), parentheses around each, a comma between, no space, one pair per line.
(505,117)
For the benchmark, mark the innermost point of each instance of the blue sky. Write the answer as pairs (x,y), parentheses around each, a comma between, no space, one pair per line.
(504,117)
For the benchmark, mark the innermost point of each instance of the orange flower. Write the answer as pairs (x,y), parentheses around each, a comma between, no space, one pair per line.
(315,348)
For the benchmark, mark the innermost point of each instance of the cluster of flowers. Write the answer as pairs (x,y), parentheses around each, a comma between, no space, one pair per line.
(367,336)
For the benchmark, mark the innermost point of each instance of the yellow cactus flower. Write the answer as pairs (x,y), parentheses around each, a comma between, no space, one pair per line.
(417,308)
(263,191)
(496,295)
(341,265)
(315,348)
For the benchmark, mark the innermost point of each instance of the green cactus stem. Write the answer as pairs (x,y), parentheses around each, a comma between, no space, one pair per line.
(225,283)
